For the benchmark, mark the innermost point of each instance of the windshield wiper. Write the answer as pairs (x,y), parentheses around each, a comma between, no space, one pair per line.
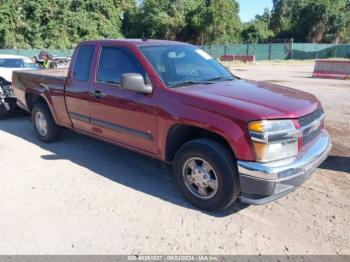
(190,82)
(112,82)
(226,78)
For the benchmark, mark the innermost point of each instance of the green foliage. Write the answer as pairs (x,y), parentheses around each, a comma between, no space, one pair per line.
(345,34)
(64,23)
(311,20)
(214,22)
(258,30)
(158,19)
(197,21)
(58,23)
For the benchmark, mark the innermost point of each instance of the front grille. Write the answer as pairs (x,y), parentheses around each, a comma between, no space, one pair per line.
(311,136)
(307,120)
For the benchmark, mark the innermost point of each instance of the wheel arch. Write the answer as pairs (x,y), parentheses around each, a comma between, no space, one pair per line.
(33,98)
(179,134)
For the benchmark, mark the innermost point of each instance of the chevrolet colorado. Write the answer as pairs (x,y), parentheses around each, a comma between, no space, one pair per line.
(227,138)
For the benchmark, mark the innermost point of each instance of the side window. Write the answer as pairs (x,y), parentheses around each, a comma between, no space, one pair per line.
(114,62)
(81,70)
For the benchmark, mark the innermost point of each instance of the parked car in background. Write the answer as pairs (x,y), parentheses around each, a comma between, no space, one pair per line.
(61,61)
(8,64)
(55,61)
(227,138)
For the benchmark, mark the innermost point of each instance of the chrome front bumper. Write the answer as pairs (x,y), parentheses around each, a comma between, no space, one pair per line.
(264,182)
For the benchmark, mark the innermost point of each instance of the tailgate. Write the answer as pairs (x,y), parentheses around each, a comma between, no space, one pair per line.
(59,73)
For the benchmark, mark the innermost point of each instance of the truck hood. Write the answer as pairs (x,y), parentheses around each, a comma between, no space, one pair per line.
(259,100)
(6,73)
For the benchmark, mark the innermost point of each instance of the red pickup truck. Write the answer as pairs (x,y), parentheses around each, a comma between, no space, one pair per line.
(227,138)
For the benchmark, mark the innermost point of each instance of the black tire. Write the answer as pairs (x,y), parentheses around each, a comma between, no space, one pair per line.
(224,165)
(3,112)
(54,131)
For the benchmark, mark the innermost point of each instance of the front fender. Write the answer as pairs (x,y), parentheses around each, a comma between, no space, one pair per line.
(231,131)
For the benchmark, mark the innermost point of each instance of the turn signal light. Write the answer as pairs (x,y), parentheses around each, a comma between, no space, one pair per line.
(256,127)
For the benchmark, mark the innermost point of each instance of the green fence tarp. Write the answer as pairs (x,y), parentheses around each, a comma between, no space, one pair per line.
(274,51)
(281,51)
(33,52)
(319,51)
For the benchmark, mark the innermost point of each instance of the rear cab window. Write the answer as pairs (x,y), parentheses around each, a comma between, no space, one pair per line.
(81,70)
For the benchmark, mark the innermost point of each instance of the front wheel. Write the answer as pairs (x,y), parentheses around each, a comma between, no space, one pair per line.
(206,174)
(44,124)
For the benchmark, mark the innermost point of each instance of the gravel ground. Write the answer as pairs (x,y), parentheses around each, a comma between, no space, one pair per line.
(83,196)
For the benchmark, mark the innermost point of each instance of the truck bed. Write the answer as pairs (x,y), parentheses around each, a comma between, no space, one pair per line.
(46,83)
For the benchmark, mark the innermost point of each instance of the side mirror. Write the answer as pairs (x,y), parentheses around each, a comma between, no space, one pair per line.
(135,82)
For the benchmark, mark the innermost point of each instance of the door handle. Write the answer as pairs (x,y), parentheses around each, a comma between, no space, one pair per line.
(97,94)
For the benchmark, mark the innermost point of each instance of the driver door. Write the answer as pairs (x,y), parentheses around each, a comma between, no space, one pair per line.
(125,117)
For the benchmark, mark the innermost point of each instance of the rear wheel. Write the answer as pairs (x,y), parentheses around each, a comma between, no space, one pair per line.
(44,124)
(206,174)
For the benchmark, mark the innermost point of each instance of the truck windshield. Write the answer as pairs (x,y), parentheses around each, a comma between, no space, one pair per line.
(180,65)
(17,63)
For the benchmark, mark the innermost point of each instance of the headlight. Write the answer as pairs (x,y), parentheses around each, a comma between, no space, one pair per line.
(273,139)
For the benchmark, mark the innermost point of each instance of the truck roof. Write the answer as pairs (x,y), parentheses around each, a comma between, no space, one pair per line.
(137,42)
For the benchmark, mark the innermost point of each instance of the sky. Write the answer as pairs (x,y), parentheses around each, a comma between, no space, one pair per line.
(250,8)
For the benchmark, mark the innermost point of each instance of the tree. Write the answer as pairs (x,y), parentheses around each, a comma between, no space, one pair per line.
(321,20)
(310,20)
(8,23)
(280,14)
(196,21)
(345,35)
(64,23)
(258,30)
(158,19)
(58,24)
(214,22)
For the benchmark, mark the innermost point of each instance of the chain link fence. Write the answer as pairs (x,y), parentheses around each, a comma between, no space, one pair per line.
(34,52)
(280,51)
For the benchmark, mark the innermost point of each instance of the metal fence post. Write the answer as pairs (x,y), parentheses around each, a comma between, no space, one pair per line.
(336,51)
(270,47)
(316,53)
